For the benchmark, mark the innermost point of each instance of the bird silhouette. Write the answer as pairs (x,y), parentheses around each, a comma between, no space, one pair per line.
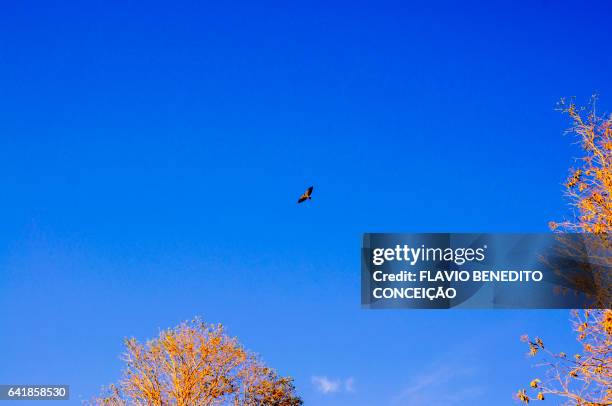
(306,196)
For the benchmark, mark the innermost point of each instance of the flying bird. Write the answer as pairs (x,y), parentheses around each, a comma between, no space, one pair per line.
(306,195)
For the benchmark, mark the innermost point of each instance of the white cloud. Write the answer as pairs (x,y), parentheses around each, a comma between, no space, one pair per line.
(431,388)
(423,382)
(326,385)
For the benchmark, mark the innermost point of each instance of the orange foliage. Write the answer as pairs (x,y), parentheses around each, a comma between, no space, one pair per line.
(589,186)
(586,378)
(196,364)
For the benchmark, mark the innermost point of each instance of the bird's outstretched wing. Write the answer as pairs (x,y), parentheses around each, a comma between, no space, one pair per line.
(306,195)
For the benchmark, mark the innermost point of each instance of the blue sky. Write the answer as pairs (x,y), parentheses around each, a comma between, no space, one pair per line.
(151,155)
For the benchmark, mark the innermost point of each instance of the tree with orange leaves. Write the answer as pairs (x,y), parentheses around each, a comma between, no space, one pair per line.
(196,364)
(589,186)
(584,378)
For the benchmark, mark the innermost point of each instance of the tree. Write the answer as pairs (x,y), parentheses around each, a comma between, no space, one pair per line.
(585,378)
(589,186)
(196,364)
